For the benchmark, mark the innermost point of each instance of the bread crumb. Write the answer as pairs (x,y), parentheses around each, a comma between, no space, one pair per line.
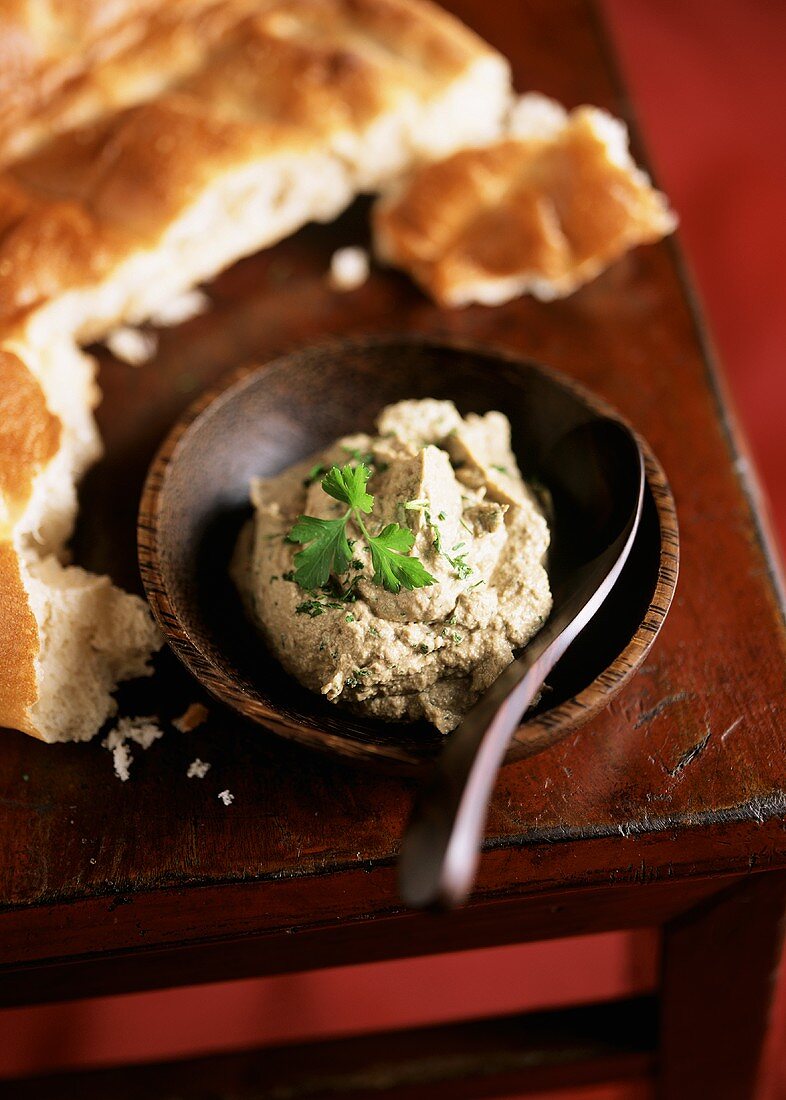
(193,716)
(197,769)
(181,308)
(132,346)
(121,758)
(143,731)
(226,797)
(349,269)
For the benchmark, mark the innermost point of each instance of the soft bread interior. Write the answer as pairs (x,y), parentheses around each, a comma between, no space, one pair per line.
(92,637)
(89,635)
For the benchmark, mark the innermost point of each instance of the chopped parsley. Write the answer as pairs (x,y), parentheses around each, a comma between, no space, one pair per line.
(424,506)
(355,679)
(357,455)
(460,564)
(326,546)
(315,607)
(350,595)
(316,471)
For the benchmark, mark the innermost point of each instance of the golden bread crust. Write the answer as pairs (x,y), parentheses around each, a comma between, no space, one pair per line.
(65,64)
(19,645)
(85,59)
(539,215)
(29,437)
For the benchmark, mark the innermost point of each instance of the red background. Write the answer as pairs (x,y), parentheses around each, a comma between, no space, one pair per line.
(707,82)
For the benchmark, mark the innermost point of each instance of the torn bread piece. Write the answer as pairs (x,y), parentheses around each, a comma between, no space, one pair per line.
(143,148)
(541,211)
(67,637)
(268,120)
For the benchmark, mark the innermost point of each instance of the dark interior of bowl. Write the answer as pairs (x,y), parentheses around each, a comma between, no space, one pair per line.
(287,410)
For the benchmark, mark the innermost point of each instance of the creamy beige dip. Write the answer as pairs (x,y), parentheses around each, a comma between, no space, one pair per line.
(426,653)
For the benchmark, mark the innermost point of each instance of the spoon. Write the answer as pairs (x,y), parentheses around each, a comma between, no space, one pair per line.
(441,846)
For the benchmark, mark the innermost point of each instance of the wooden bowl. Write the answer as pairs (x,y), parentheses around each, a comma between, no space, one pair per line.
(265,418)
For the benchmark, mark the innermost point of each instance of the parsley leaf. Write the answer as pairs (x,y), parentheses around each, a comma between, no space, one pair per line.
(326,550)
(348,485)
(393,569)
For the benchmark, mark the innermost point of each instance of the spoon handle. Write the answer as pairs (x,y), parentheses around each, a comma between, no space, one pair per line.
(441,847)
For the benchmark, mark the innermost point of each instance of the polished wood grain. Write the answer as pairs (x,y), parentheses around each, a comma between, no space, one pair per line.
(262,419)
(677,785)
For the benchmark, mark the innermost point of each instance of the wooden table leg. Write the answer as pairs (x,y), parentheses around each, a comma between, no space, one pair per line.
(720,963)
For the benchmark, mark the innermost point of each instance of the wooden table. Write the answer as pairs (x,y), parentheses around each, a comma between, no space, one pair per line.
(666,810)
